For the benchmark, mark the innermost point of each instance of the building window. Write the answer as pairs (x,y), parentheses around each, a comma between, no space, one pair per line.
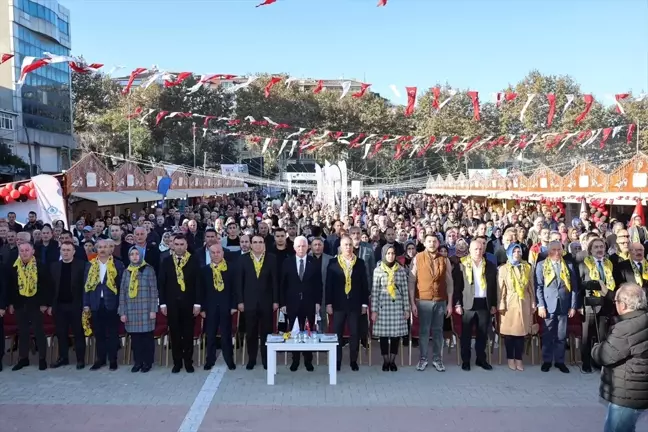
(6,121)
(63,27)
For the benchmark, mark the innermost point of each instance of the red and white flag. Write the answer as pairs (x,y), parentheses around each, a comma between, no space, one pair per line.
(79,67)
(172,82)
(133,75)
(319,87)
(5,57)
(617,99)
(266,3)
(30,64)
(411,101)
(362,91)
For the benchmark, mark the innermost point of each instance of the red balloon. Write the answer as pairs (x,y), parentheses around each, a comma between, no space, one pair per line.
(30,185)
(23,189)
(3,192)
(14,194)
(32,194)
(8,199)
(9,186)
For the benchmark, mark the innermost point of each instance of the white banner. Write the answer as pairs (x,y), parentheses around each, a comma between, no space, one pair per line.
(356,188)
(234,169)
(320,182)
(344,189)
(49,194)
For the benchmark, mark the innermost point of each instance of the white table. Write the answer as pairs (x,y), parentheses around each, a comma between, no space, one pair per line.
(275,347)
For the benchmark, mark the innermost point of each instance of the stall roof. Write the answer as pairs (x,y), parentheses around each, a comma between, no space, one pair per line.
(128,197)
(106,198)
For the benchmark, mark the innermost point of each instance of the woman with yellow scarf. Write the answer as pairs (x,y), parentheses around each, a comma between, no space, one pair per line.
(516,300)
(390,309)
(138,304)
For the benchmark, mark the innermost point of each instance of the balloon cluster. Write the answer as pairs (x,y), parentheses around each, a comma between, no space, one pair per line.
(556,206)
(598,211)
(13,192)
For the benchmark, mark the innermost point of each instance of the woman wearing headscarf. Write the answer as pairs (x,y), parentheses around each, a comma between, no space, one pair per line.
(405,260)
(165,245)
(138,305)
(390,306)
(516,304)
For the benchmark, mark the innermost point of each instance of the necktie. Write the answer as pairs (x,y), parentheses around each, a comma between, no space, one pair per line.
(301,269)
(638,264)
(601,271)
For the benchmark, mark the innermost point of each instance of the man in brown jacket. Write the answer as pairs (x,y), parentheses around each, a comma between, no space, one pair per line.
(430,287)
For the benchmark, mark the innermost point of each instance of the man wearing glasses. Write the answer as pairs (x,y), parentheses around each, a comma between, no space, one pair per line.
(622,248)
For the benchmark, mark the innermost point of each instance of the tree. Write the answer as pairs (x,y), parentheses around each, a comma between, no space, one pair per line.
(7,158)
(92,94)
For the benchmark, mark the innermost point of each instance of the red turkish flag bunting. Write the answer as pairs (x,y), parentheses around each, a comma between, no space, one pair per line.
(81,68)
(631,130)
(606,135)
(552,108)
(266,3)
(160,116)
(510,96)
(618,98)
(319,87)
(427,146)
(436,92)
(181,77)
(451,144)
(135,113)
(378,146)
(382,3)
(411,100)
(5,57)
(475,101)
(362,91)
(30,64)
(589,100)
(273,81)
(469,146)
(356,141)
(133,75)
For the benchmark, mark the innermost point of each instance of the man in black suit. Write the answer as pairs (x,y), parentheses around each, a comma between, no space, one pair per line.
(202,254)
(632,270)
(67,304)
(3,310)
(258,297)
(47,250)
(149,251)
(217,284)
(301,285)
(347,297)
(180,303)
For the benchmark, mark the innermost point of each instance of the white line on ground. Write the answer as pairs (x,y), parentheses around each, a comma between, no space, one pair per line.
(196,414)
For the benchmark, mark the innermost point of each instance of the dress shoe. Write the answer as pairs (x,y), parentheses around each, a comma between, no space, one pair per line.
(42,364)
(309,367)
(385,367)
(586,369)
(354,367)
(250,365)
(208,366)
(60,362)
(176,369)
(136,368)
(113,366)
(0,365)
(189,368)
(465,366)
(146,367)
(338,367)
(393,367)
(97,366)
(294,366)
(545,367)
(21,364)
(80,365)
(483,364)
(231,366)
(562,368)
(265,366)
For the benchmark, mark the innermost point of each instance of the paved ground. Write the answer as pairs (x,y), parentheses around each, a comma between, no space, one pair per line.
(66,400)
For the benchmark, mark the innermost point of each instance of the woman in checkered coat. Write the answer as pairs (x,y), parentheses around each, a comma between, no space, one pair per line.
(390,306)
(138,305)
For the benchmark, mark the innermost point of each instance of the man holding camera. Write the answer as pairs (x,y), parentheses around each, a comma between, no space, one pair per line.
(624,379)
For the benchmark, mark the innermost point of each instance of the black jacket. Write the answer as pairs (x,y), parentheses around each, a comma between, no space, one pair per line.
(77,281)
(624,379)
(43,296)
(47,254)
(257,293)
(335,287)
(168,288)
(301,295)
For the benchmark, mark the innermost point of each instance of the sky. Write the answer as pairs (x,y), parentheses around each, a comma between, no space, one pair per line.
(479,45)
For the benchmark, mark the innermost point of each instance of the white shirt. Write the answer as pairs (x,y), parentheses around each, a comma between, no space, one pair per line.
(255,257)
(103,268)
(207,256)
(480,291)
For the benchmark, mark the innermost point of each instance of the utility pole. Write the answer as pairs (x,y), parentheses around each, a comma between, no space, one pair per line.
(130,148)
(194,143)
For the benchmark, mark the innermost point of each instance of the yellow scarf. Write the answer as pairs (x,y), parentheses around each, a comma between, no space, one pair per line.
(133,284)
(178,269)
(347,272)
(594,275)
(94,273)
(257,265)
(468,265)
(520,283)
(643,276)
(549,273)
(391,278)
(27,277)
(85,323)
(625,256)
(218,277)
(635,234)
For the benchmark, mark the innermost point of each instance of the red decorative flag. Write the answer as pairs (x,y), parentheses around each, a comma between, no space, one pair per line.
(160,116)
(555,141)
(133,75)
(436,92)
(135,114)
(181,77)
(30,64)
(362,91)
(82,68)
(427,146)
(382,3)
(411,100)
(266,3)
(618,98)
(378,146)
(631,130)
(207,118)
(589,100)
(451,144)
(475,101)
(552,108)
(469,146)
(5,57)
(273,81)
(606,135)
(510,96)
(319,87)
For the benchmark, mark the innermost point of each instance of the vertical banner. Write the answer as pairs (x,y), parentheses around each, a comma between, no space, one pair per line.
(356,188)
(328,186)
(51,205)
(344,189)
(320,182)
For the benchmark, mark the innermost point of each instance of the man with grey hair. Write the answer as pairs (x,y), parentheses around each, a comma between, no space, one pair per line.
(624,378)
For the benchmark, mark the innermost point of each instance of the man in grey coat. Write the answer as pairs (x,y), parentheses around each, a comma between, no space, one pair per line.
(317,252)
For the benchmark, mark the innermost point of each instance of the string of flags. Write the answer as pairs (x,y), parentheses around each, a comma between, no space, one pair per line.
(309,140)
(269,2)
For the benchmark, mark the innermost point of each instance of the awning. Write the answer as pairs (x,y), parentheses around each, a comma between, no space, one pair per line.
(143,196)
(193,193)
(106,198)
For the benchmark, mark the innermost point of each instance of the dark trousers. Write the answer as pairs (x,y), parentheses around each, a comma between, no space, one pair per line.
(514,347)
(590,333)
(219,319)
(24,316)
(389,345)
(363,331)
(340,320)
(68,316)
(302,316)
(143,348)
(105,327)
(181,330)
(479,317)
(258,320)
(2,338)
(554,335)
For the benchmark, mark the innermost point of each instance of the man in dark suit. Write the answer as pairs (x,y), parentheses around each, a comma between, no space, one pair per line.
(633,270)
(217,284)
(101,297)
(301,285)
(202,254)
(149,251)
(3,310)
(29,302)
(47,250)
(347,297)
(475,302)
(181,304)
(67,304)
(258,297)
